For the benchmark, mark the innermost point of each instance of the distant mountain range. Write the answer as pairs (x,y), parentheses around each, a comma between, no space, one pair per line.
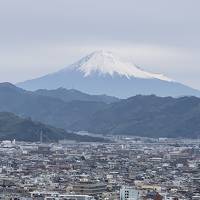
(73,95)
(104,73)
(139,115)
(48,110)
(148,116)
(13,127)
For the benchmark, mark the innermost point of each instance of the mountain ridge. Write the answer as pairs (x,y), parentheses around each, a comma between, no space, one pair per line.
(139,115)
(101,73)
(68,95)
(148,116)
(105,62)
(24,129)
(48,110)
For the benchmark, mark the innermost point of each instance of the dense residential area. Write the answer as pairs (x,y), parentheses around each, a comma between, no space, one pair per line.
(126,169)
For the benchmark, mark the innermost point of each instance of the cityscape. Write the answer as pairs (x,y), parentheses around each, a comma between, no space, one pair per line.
(124,169)
(99,100)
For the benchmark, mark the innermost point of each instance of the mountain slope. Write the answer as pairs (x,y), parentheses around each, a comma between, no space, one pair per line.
(103,62)
(147,116)
(14,127)
(75,95)
(103,73)
(45,109)
(139,115)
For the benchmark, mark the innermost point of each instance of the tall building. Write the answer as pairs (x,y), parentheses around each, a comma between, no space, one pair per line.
(128,193)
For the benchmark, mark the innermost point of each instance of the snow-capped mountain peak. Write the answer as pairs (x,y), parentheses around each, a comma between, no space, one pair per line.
(105,62)
(102,72)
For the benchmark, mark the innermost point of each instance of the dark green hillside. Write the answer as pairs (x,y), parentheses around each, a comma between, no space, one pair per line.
(147,116)
(14,127)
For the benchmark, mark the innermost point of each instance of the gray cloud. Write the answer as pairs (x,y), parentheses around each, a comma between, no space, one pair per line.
(37,37)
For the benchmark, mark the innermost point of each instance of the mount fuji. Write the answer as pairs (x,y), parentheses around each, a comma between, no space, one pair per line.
(102,72)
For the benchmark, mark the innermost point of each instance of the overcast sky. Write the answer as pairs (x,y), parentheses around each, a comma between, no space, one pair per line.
(42,36)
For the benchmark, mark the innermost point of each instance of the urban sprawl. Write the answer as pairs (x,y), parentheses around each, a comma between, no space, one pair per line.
(125,169)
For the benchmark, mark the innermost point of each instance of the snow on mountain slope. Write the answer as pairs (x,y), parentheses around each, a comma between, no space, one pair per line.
(103,73)
(104,62)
